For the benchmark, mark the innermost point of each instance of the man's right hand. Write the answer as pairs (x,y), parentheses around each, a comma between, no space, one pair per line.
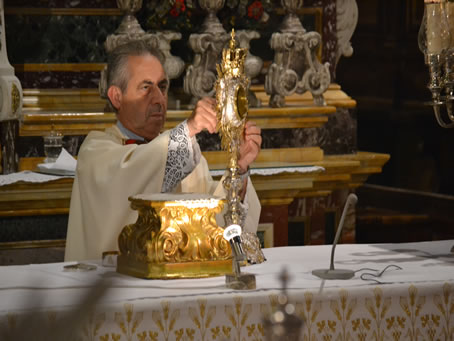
(203,117)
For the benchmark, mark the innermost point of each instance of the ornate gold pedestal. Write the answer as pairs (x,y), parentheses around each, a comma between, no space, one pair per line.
(175,236)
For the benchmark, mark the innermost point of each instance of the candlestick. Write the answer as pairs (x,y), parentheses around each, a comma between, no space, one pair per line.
(438,37)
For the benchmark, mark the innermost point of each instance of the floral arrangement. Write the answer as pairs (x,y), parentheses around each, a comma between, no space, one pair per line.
(186,15)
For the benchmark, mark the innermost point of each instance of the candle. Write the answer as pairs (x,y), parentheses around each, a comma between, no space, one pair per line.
(450,19)
(437,29)
(433,26)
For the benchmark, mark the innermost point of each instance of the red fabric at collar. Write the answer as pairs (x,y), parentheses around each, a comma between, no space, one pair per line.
(133,141)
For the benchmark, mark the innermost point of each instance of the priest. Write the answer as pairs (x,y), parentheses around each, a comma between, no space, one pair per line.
(135,156)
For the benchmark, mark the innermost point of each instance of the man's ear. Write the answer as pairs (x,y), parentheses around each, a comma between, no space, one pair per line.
(115,95)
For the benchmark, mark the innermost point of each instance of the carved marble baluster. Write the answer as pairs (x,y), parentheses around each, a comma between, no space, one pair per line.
(129,24)
(200,77)
(253,64)
(129,30)
(173,65)
(295,67)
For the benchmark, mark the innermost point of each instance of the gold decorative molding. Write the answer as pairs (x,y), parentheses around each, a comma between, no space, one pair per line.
(15,98)
(341,171)
(33,244)
(47,198)
(271,118)
(63,11)
(175,236)
(78,111)
(13,212)
(349,170)
(334,97)
(299,111)
(314,193)
(281,157)
(34,124)
(276,201)
(63,101)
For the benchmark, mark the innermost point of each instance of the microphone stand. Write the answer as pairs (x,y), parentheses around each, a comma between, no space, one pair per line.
(237,280)
(332,273)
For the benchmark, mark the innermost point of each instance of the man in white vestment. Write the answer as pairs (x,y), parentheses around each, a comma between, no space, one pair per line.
(134,156)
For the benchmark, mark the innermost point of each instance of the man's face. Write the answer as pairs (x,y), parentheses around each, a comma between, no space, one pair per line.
(142,108)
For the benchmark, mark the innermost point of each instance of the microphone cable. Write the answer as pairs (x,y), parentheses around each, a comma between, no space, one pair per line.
(373,276)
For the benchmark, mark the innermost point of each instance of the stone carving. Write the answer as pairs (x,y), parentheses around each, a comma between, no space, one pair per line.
(173,65)
(129,24)
(10,87)
(212,23)
(347,18)
(253,64)
(130,29)
(295,67)
(200,77)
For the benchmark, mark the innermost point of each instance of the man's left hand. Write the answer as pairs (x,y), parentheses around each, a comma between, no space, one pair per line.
(250,146)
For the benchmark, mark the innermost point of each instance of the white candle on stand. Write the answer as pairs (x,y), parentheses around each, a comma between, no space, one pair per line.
(450,18)
(434,26)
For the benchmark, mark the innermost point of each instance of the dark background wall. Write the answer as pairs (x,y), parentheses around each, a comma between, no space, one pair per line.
(413,198)
(387,76)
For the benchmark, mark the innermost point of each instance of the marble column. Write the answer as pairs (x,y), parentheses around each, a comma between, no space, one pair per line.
(10,104)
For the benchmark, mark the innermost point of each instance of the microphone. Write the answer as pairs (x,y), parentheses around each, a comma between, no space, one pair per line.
(232,234)
(332,273)
(237,280)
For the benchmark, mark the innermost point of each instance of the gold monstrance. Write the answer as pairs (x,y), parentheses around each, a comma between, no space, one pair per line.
(232,108)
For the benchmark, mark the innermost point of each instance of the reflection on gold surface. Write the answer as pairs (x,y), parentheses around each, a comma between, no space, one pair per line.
(231,98)
(174,239)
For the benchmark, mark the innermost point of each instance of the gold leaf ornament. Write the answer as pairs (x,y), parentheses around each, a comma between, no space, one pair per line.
(171,230)
(15,98)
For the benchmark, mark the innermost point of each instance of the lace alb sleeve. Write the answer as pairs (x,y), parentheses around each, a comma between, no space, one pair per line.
(183,155)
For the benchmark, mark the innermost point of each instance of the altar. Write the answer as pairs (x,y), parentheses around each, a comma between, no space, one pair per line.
(412,299)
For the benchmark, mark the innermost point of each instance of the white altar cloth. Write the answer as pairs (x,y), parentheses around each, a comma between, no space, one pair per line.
(275,170)
(416,302)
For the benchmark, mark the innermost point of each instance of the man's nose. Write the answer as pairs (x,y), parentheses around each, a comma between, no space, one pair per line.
(157,93)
